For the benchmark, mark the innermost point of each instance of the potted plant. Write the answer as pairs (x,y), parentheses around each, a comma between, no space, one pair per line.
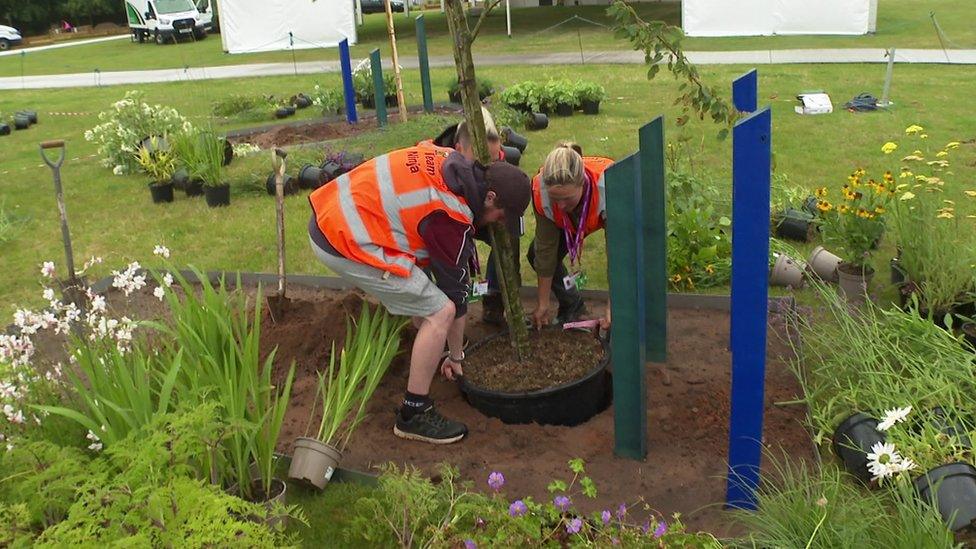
(485,90)
(352,376)
(159,164)
(559,96)
(522,96)
(210,169)
(852,442)
(329,100)
(590,95)
(854,225)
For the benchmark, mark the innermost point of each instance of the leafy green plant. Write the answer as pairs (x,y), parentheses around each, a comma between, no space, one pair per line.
(799,507)
(523,96)
(936,245)
(244,106)
(589,91)
(43,478)
(855,225)
(370,346)
(362,80)
(156,161)
(559,92)
(699,234)
(330,100)
(127,124)
(485,88)
(201,153)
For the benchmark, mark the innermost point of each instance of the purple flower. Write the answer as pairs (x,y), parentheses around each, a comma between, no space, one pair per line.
(562,503)
(496,480)
(480,523)
(662,528)
(574,526)
(470,544)
(517,508)
(622,511)
(605,515)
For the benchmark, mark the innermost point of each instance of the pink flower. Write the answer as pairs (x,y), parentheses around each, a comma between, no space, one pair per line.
(574,526)
(496,480)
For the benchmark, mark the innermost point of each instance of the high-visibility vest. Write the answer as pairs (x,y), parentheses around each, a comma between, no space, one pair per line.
(430,143)
(372,214)
(594,167)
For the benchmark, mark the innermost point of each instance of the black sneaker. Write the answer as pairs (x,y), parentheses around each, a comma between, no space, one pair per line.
(571,314)
(430,426)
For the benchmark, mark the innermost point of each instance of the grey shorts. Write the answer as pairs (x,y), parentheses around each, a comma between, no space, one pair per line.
(416,295)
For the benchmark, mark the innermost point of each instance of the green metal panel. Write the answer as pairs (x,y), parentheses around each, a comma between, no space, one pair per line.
(424,64)
(379,90)
(654,226)
(625,252)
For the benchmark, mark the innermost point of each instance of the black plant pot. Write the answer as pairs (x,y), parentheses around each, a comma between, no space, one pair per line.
(455,97)
(853,440)
(898,275)
(282,112)
(368,101)
(512,155)
(795,225)
(969,334)
(538,121)
(953,429)
(965,310)
(217,196)
(228,151)
(31,115)
(21,121)
(810,206)
(4,128)
(310,177)
(952,489)
(180,179)
(291,109)
(564,109)
(194,187)
(161,192)
(591,107)
(330,170)
(289,184)
(513,139)
(485,94)
(391,100)
(302,101)
(569,404)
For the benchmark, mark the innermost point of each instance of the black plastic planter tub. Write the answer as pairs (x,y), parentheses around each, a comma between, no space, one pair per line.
(4,128)
(952,488)
(512,155)
(538,121)
(194,187)
(513,139)
(217,196)
(31,116)
(21,122)
(591,107)
(289,184)
(310,177)
(564,109)
(853,440)
(568,404)
(795,225)
(161,193)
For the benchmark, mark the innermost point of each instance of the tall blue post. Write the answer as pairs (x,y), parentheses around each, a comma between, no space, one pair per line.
(625,258)
(751,150)
(745,92)
(379,89)
(347,88)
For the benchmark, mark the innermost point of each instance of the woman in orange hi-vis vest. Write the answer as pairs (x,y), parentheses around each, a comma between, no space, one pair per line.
(383,224)
(569,199)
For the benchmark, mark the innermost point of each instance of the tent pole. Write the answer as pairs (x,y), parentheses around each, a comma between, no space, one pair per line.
(508,17)
(401,104)
(359,11)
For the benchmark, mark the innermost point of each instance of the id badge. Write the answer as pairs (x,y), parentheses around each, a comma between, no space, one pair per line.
(479,289)
(576,280)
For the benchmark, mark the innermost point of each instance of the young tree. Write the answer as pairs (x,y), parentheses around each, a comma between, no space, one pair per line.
(464,36)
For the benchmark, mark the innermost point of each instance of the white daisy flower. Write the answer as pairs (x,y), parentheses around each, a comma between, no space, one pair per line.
(159,292)
(48,294)
(161,251)
(883,460)
(893,416)
(48,269)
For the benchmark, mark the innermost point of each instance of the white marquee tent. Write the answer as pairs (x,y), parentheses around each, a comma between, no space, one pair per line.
(264,25)
(769,17)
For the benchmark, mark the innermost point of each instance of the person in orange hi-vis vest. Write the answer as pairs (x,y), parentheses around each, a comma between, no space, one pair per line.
(458,137)
(569,200)
(385,224)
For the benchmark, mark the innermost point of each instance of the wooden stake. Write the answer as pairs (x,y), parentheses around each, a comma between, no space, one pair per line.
(401,104)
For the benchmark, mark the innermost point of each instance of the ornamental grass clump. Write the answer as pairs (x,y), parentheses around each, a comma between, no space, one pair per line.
(937,244)
(354,373)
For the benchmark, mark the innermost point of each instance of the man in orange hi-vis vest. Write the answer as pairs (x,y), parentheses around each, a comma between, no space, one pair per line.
(385,223)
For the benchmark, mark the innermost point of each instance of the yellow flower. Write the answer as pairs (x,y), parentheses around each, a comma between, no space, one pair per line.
(913,156)
(945,215)
(888,177)
(952,145)
(924,136)
(709,269)
(824,206)
(889,147)
(907,196)
(843,208)
(676,278)
(879,210)
(906,173)
(942,154)
(691,285)
(821,192)
(913,129)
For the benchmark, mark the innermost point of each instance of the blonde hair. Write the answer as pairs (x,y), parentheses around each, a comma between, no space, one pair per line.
(563,166)
(463,136)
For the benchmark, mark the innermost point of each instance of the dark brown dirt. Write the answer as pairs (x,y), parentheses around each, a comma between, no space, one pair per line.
(555,357)
(687,414)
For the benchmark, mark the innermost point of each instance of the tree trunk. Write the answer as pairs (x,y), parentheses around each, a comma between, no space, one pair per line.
(505,261)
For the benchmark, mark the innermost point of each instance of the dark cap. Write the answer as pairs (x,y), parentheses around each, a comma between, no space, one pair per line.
(513,192)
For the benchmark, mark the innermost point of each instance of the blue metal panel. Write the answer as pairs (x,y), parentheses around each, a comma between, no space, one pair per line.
(751,149)
(745,92)
(347,88)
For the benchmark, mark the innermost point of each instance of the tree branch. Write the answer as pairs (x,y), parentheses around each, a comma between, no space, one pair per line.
(481,19)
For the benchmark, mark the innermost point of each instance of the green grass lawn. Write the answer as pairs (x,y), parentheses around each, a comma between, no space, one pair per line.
(113,217)
(901,23)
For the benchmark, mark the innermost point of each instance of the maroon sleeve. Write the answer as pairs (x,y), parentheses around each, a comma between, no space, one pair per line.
(450,245)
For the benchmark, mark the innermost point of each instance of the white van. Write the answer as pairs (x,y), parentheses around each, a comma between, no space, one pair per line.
(168,20)
(9,37)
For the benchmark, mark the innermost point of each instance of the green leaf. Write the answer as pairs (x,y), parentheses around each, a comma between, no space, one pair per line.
(588,487)
(556,486)
(577,466)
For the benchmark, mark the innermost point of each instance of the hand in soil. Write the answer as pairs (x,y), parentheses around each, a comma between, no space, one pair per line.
(540,318)
(450,369)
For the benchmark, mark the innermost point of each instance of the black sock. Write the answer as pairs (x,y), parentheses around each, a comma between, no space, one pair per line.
(414,404)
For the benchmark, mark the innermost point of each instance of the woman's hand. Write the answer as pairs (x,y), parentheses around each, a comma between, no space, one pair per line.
(605,321)
(452,368)
(540,317)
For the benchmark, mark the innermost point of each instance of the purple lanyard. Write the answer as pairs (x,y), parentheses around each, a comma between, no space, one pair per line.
(473,262)
(574,244)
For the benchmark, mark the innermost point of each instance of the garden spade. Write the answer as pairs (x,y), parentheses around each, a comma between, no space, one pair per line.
(278,303)
(72,288)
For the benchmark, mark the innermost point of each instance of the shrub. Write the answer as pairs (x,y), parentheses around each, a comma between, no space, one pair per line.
(244,106)
(127,124)
(589,91)
(699,234)
(330,100)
